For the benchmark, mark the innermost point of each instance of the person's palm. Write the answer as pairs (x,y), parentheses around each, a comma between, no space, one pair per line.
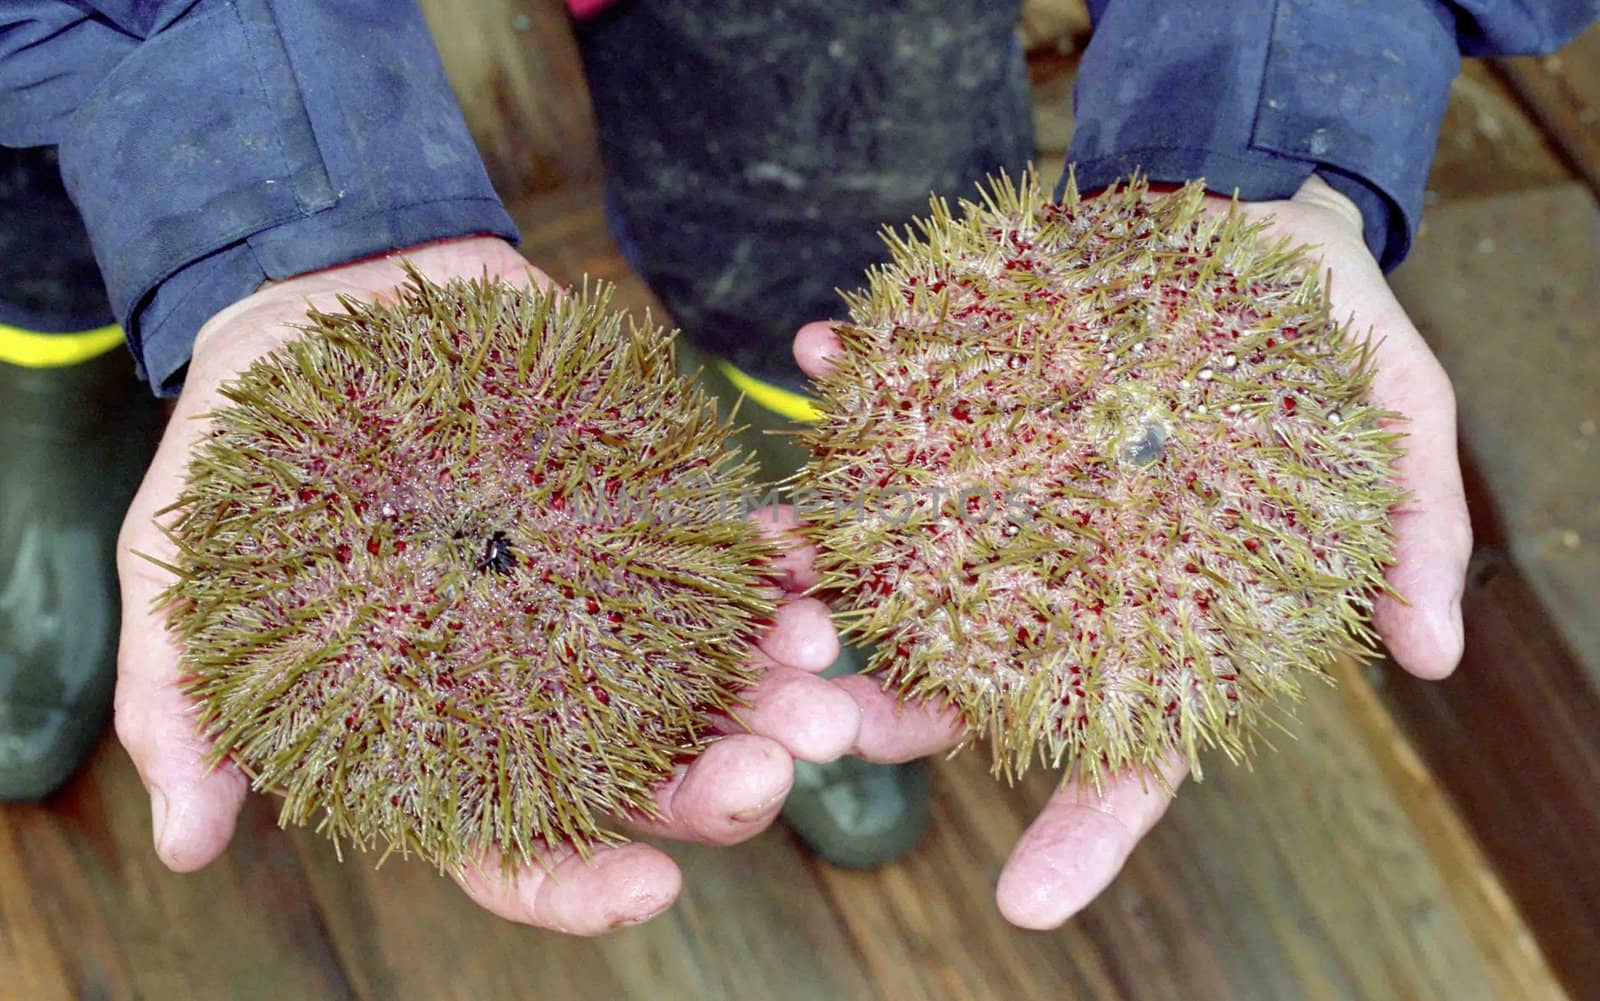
(729,793)
(1082,837)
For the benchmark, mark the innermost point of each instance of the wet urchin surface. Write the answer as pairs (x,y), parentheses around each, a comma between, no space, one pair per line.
(459,573)
(1100,475)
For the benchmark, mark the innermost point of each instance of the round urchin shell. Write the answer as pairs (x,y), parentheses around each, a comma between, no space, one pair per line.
(458,574)
(1100,475)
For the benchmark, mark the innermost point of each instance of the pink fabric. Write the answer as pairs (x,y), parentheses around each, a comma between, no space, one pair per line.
(587,8)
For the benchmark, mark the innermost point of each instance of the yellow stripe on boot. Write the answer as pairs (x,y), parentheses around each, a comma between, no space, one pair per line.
(31,349)
(783,402)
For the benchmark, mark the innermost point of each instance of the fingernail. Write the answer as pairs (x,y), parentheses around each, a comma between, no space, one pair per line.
(642,918)
(158,816)
(765,808)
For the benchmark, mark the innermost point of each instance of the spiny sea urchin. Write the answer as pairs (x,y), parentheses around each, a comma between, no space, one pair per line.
(1100,475)
(458,574)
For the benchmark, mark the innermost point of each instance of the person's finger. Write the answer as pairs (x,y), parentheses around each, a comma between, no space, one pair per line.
(193,806)
(617,886)
(892,731)
(1433,536)
(802,636)
(814,719)
(1433,533)
(1077,845)
(794,567)
(814,345)
(731,792)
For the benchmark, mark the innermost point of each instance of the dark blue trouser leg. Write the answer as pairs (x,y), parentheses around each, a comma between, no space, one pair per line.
(753,150)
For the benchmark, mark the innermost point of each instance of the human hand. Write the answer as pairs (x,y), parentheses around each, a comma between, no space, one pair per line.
(729,793)
(1083,835)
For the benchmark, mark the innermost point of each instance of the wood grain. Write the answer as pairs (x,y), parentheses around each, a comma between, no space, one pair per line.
(1562,95)
(750,926)
(1259,883)
(100,916)
(26,949)
(1333,869)
(1507,291)
(1487,143)
(515,69)
(1513,739)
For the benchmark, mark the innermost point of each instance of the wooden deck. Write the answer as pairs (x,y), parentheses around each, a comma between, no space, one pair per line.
(1410,841)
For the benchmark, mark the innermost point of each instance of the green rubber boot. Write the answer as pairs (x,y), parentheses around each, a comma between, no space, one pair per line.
(74,441)
(855,813)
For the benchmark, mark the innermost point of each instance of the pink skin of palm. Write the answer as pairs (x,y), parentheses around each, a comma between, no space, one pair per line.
(731,792)
(1082,837)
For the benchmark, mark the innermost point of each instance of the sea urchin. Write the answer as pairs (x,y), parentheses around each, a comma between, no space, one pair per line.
(1100,475)
(456,574)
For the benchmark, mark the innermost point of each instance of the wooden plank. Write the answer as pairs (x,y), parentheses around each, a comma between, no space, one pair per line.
(750,924)
(1470,875)
(108,920)
(1334,868)
(1488,144)
(1507,292)
(1051,75)
(564,233)
(515,69)
(1513,738)
(1562,93)
(27,954)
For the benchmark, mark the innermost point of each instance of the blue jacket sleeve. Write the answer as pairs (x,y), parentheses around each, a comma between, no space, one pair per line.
(211,145)
(1255,95)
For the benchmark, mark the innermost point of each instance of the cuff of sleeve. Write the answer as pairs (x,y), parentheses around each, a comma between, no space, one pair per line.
(1255,95)
(182,303)
(259,139)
